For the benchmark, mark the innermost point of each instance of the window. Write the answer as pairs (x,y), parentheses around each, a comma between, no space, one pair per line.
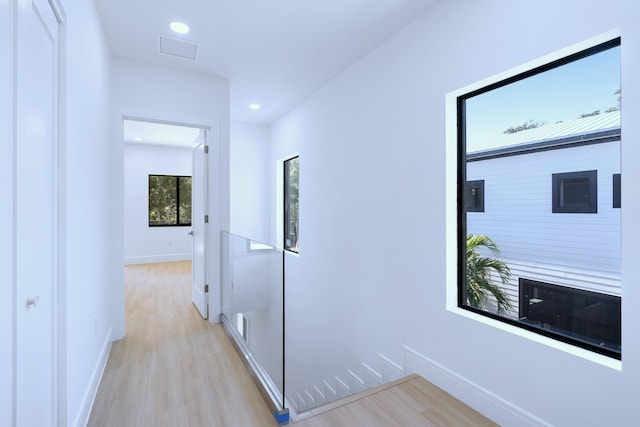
(291,203)
(591,317)
(575,192)
(617,190)
(475,196)
(563,115)
(169,200)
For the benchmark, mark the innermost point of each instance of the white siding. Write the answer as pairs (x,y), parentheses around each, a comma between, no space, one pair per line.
(518,210)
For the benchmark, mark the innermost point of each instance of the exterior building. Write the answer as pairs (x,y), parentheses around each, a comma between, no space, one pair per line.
(551,202)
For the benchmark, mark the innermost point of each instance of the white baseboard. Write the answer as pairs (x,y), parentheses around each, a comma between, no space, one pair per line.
(87,403)
(157,258)
(493,406)
(391,371)
(372,378)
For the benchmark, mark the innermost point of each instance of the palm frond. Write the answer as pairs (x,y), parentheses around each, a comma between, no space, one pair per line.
(482,269)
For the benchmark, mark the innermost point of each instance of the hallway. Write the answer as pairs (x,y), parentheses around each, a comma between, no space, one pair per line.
(173,368)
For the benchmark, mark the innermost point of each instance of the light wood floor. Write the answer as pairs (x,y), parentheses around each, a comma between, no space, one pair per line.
(411,401)
(173,368)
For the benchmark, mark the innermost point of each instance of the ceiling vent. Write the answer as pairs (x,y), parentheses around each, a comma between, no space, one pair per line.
(177,47)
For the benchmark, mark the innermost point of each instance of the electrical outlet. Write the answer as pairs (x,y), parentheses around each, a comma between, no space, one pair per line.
(95,325)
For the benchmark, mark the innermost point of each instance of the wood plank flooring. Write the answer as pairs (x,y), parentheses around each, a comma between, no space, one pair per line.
(173,368)
(411,401)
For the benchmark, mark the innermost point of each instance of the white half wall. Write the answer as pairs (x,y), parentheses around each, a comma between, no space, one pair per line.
(372,274)
(149,92)
(142,243)
(249,180)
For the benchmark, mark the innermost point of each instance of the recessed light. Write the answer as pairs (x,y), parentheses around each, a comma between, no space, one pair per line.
(254,106)
(179,27)
(137,139)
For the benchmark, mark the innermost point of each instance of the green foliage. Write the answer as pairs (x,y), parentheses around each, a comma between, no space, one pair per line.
(618,94)
(292,202)
(164,203)
(184,204)
(593,113)
(479,282)
(531,124)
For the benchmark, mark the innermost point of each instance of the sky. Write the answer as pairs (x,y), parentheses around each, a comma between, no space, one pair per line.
(560,94)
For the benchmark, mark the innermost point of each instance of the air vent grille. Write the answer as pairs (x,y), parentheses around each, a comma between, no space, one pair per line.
(176,47)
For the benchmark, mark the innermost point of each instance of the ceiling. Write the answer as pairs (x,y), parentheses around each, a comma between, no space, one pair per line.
(274,52)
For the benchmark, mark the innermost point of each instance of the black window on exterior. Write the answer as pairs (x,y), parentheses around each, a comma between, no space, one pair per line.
(291,203)
(169,201)
(584,317)
(474,196)
(575,192)
(617,193)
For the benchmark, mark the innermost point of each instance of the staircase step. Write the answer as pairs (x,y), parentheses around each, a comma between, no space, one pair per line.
(411,400)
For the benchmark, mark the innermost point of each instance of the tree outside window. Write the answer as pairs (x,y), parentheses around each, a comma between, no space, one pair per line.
(291,203)
(169,200)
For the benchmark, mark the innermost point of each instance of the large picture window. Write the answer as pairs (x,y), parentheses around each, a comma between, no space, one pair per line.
(291,203)
(169,200)
(522,262)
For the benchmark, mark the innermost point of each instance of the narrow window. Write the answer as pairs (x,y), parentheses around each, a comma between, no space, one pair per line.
(169,200)
(475,196)
(291,203)
(563,115)
(575,192)
(617,190)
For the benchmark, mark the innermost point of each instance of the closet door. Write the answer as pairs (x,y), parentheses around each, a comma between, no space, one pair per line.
(36,209)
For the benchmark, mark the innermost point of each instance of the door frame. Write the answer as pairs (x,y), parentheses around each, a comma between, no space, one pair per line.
(214,188)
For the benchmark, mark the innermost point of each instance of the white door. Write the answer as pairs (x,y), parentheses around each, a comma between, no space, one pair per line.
(199,223)
(36,210)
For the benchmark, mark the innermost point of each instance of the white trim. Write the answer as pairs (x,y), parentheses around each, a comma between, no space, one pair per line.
(82,418)
(157,258)
(391,371)
(7,216)
(498,409)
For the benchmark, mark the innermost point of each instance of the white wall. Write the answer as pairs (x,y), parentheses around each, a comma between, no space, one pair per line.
(6,215)
(143,243)
(249,180)
(372,275)
(87,239)
(150,92)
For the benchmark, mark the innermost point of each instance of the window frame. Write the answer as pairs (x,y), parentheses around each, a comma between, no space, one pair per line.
(177,198)
(556,191)
(456,179)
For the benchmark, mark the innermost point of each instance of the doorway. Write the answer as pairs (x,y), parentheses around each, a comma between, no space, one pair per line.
(165,197)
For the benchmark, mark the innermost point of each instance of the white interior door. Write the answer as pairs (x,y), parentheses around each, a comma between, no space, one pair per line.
(36,194)
(199,222)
